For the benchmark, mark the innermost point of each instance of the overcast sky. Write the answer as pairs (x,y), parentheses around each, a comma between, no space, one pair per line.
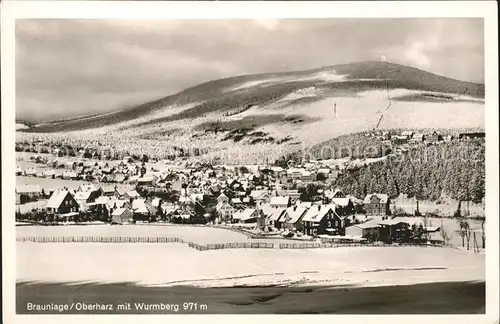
(77,67)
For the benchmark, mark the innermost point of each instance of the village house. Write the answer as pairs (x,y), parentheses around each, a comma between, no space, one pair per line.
(399,139)
(417,138)
(143,209)
(280,202)
(85,197)
(369,230)
(107,191)
(274,217)
(71,165)
(433,137)
(343,206)
(30,172)
(248,215)
(376,204)
(69,175)
(322,219)
(28,193)
(394,230)
(62,202)
(225,211)
(308,176)
(122,216)
(131,194)
(292,218)
(407,134)
(146,181)
(222,198)
(295,173)
(260,196)
(469,136)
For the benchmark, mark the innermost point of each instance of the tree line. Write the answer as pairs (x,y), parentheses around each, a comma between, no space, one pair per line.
(455,170)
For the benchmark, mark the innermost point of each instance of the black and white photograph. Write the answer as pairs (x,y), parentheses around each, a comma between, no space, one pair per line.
(251,165)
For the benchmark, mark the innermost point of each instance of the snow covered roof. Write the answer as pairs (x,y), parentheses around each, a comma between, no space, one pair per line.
(280,200)
(57,198)
(108,188)
(102,200)
(88,187)
(156,202)
(28,189)
(236,201)
(383,198)
(392,221)
(316,213)
(246,214)
(259,193)
(119,211)
(343,202)
(133,194)
(221,205)
(293,214)
(139,206)
(82,195)
(276,214)
(369,224)
(266,208)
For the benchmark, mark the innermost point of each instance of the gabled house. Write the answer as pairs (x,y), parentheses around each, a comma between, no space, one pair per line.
(369,230)
(280,202)
(108,191)
(62,202)
(27,193)
(343,206)
(85,197)
(417,138)
(30,172)
(322,219)
(275,218)
(143,209)
(376,204)
(131,194)
(394,230)
(292,218)
(260,196)
(248,215)
(433,137)
(122,216)
(225,211)
(236,202)
(50,174)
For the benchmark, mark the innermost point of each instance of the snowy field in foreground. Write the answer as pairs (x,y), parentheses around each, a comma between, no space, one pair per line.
(196,234)
(177,264)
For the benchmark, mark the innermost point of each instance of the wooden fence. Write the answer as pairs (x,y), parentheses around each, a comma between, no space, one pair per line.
(203,247)
(98,239)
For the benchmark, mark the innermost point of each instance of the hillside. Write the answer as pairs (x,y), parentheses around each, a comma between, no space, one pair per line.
(261,117)
(262,89)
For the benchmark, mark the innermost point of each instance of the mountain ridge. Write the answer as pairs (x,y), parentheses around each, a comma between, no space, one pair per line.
(224,94)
